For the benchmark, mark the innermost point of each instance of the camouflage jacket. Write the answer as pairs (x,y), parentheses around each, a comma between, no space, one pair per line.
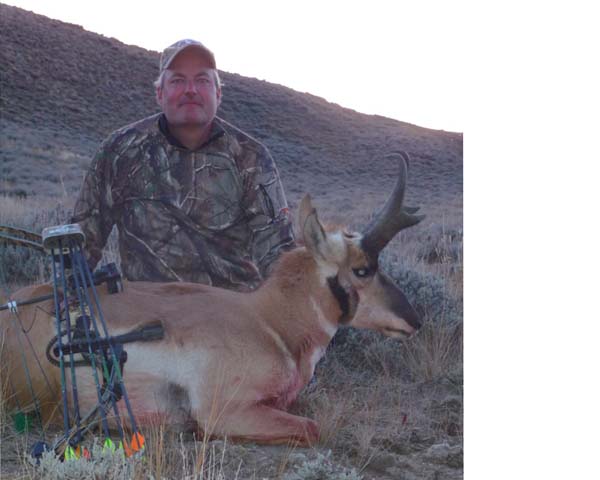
(216,215)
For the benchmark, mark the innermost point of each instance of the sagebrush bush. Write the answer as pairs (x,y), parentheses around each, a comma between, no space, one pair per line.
(21,265)
(320,468)
(105,463)
(427,292)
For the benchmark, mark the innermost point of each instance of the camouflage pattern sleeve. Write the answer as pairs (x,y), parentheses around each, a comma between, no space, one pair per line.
(93,209)
(269,220)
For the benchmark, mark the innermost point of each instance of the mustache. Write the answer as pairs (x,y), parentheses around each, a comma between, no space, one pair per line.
(191,101)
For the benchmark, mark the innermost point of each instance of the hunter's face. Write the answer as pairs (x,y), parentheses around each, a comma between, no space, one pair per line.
(189,95)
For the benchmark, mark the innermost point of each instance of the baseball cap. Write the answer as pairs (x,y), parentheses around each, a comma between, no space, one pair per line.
(172,51)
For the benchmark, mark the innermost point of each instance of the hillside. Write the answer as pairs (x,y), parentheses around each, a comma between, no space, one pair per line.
(387,409)
(63,89)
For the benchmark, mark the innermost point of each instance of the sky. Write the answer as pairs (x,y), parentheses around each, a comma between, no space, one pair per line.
(402,60)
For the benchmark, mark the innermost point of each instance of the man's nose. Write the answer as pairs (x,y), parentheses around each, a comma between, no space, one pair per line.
(190,87)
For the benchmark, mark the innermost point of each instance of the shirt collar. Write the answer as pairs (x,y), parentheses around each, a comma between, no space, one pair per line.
(216,130)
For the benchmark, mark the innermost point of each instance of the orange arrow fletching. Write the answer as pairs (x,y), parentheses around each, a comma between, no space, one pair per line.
(137,441)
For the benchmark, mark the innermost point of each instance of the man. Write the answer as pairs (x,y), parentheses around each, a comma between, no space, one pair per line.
(193,198)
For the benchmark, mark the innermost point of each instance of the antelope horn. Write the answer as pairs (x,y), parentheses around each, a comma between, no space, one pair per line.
(393,217)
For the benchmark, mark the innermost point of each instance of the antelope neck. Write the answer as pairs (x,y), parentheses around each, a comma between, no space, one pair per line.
(342,297)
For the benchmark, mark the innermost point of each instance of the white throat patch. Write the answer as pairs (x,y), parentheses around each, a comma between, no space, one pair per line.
(328,327)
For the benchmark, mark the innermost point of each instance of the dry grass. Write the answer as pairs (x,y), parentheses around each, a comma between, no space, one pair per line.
(35,213)
(436,352)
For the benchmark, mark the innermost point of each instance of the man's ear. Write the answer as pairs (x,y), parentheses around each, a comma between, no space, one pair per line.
(159,96)
(219,97)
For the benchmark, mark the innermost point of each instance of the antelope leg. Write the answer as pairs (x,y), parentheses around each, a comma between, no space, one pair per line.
(267,425)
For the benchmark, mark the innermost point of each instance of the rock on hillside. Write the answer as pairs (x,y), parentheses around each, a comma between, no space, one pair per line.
(63,89)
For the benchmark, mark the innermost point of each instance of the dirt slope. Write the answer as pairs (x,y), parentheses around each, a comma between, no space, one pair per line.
(63,89)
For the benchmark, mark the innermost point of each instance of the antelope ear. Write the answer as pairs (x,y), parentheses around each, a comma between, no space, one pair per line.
(312,231)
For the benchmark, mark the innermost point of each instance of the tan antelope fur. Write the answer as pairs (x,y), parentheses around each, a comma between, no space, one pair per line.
(231,363)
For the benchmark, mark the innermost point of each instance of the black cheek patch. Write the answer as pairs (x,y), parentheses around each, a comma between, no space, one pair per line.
(348,301)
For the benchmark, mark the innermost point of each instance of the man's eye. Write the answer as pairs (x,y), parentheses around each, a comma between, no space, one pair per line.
(361,272)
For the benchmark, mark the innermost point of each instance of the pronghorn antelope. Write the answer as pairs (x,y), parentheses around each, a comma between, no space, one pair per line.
(231,363)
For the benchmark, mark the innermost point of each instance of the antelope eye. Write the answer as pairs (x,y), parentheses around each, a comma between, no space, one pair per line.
(361,272)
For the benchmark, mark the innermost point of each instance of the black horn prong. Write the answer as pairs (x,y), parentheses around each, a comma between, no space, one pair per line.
(393,217)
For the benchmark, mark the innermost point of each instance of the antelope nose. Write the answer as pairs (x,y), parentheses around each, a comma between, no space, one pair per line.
(414,320)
